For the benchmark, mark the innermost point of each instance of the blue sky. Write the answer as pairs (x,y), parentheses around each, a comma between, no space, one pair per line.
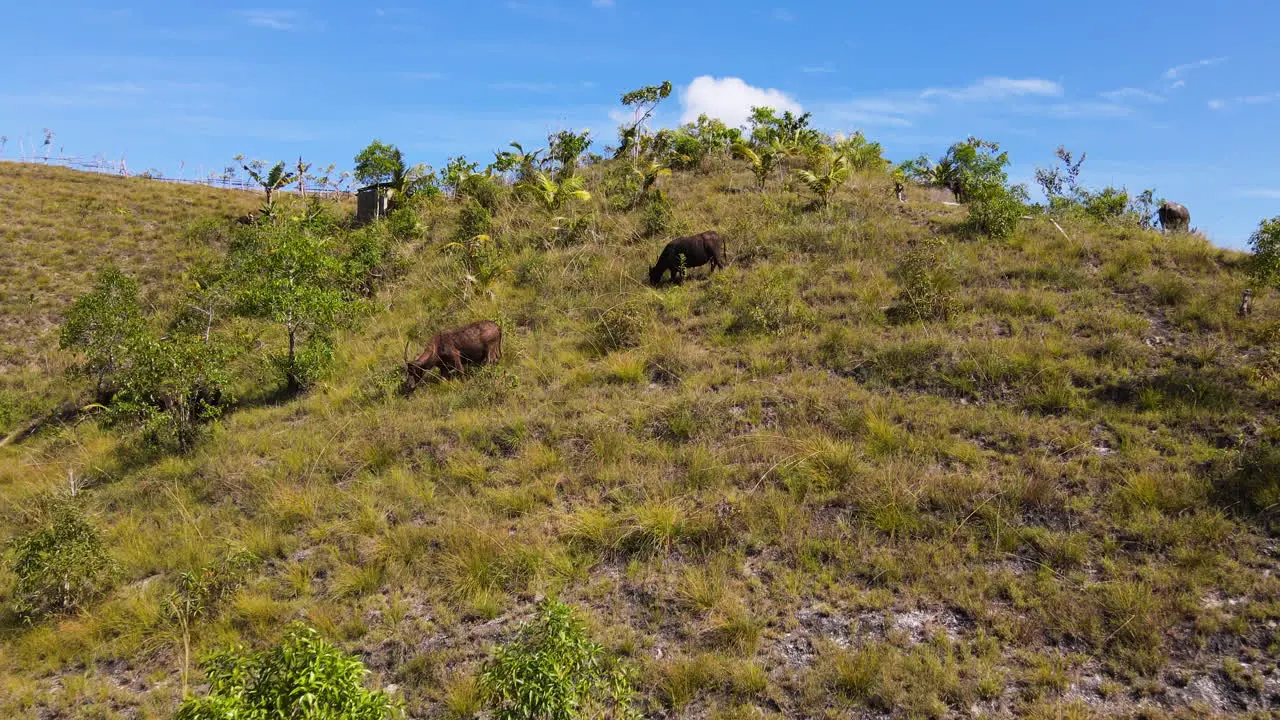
(1170,95)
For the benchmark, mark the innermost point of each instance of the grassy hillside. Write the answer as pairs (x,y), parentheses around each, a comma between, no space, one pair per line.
(60,225)
(774,492)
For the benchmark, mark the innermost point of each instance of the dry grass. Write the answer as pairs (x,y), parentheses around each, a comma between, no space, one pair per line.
(773,498)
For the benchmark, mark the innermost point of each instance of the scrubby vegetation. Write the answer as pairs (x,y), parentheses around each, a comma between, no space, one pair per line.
(911,460)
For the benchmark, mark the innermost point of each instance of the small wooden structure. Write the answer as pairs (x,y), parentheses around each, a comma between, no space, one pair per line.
(373,202)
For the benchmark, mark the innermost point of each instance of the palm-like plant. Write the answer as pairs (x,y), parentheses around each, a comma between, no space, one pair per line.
(861,155)
(649,176)
(271,180)
(480,259)
(762,160)
(553,195)
(824,185)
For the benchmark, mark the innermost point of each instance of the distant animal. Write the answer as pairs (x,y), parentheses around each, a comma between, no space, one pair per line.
(688,252)
(479,343)
(1174,217)
(900,191)
(1246,304)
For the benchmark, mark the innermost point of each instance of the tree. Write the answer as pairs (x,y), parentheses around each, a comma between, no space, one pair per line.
(271,180)
(379,163)
(303,677)
(101,324)
(1060,183)
(286,274)
(60,564)
(553,671)
(824,184)
(172,386)
(565,150)
(643,102)
(1264,265)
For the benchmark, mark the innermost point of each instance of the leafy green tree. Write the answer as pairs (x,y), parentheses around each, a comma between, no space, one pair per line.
(1264,264)
(1062,183)
(100,325)
(565,150)
(789,130)
(60,564)
(643,102)
(288,275)
(826,182)
(553,671)
(173,386)
(524,164)
(379,163)
(270,180)
(456,170)
(303,677)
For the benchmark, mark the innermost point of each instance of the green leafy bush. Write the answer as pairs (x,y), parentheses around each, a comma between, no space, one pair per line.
(657,215)
(198,595)
(304,677)
(1264,265)
(60,564)
(172,386)
(100,325)
(553,671)
(765,302)
(994,210)
(927,283)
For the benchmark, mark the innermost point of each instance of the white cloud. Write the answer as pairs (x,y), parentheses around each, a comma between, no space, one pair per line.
(1176,71)
(272,19)
(818,69)
(1220,103)
(885,111)
(1264,193)
(730,100)
(1077,110)
(1130,93)
(603,3)
(994,88)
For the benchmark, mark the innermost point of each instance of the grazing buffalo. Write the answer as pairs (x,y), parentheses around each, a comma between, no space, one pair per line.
(479,343)
(1174,217)
(688,252)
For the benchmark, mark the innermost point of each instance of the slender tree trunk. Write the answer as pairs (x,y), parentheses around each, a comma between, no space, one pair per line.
(293,370)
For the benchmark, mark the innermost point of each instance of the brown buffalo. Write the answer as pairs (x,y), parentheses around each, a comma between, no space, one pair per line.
(1174,217)
(688,252)
(479,343)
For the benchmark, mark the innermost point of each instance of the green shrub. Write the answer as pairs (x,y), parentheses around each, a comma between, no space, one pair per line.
(765,302)
(60,565)
(657,214)
(624,325)
(371,259)
(172,387)
(927,283)
(304,677)
(100,324)
(994,209)
(553,671)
